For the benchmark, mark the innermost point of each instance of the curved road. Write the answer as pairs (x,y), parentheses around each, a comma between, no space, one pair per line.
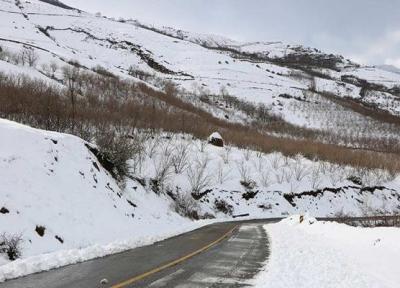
(218,255)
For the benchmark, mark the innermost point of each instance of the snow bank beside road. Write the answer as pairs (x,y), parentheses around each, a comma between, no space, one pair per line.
(323,254)
(45,262)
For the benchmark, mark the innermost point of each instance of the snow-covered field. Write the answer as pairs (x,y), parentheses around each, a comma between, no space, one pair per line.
(317,254)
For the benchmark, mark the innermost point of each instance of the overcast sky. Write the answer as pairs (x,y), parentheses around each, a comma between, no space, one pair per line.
(367,31)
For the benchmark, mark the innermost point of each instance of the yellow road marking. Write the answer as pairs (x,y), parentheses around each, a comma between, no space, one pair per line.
(173,263)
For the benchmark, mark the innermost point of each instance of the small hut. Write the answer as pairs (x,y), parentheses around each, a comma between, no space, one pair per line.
(216,139)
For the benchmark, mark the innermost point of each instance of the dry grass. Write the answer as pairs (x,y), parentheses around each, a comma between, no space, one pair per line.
(106,103)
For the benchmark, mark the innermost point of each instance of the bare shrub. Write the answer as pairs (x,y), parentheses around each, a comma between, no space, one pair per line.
(288,174)
(11,245)
(247,154)
(118,149)
(315,177)
(225,154)
(259,163)
(280,175)
(163,165)
(186,206)
(29,56)
(180,157)
(244,171)
(198,175)
(71,78)
(299,170)
(53,68)
(275,160)
(265,178)
(152,145)
(223,174)
(222,206)
(334,173)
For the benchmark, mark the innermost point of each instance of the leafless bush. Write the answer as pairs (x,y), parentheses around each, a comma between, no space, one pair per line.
(299,170)
(152,145)
(288,174)
(244,171)
(198,175)
(275,160)
(186,206)
(180,157)
(315,177)
(259,163)
(265,178)
(163,166)
(202,146)
(53,68)
(334,173)
(247,154)
(28,56)
(223,174)
(223,206)
(11,245)
(225,154)
(280,175)
(138,141)
(118,149)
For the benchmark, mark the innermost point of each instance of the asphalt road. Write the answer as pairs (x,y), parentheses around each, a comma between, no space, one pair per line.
(218,255)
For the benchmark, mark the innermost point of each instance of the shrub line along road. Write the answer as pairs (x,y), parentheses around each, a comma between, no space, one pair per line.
(218,255)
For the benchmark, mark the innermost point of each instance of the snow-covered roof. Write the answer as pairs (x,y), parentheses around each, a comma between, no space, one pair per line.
(215,135)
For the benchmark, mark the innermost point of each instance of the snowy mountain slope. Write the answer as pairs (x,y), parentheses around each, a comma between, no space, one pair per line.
(54,184)
(53,181)
(255,72)
(269,185)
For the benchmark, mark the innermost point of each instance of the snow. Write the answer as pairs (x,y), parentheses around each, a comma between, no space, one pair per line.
(178,51)
(326,254)
(52,180)
(48,261)
(215,135)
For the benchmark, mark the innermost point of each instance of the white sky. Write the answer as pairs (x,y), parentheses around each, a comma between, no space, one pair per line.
(367,31)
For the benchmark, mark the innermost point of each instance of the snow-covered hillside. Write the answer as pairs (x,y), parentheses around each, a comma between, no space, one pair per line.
(57,196)
(255,72)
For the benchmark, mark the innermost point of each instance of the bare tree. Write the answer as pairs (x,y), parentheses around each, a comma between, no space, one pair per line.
(315,177)
(275,160)
(223,174)
(53,68)
(244,171)
(28,56)
(265,178)
(180,157)
(71,76)
(247,154)
(163,166)
(299,170)
(11,245)
(225,154)
(199,177)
